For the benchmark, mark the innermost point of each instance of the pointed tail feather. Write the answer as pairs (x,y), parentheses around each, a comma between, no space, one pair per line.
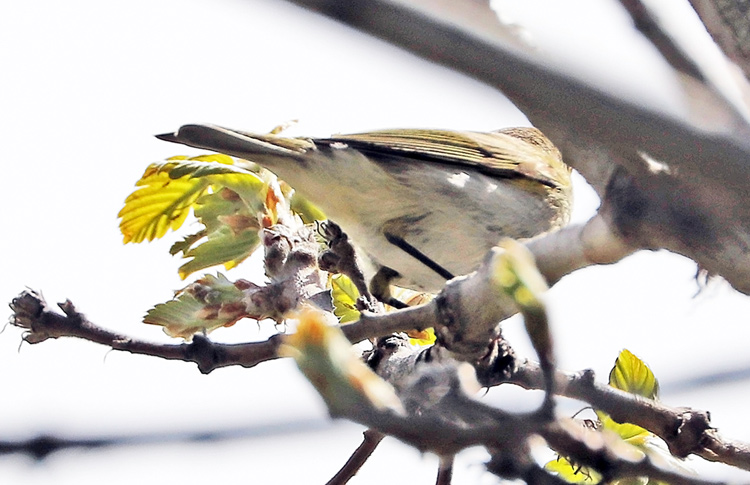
(237,143)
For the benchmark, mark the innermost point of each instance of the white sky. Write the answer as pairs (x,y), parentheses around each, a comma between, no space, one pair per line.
(84,86)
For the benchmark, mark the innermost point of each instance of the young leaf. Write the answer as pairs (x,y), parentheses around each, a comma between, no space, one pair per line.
(209,303)
(231,229)
(307,211)
(631,374)
(631,433)
(344,295)
(168,190)
(161,204)
(422,337)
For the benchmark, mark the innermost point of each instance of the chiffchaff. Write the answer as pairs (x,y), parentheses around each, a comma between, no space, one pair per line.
(428,204)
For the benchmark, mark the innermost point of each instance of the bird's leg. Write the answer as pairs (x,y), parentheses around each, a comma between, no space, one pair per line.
(380,286)
(401,243)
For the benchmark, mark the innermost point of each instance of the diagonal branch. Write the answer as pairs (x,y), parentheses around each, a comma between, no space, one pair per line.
(728,23)
(371,440)
(649,26)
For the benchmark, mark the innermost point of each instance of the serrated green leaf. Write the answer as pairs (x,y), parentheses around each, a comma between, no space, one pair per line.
(205,305)
(222,248)
(160,205)
(631,374)
(169,190)
(344,295)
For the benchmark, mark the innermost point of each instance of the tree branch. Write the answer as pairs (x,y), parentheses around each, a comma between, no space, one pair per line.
(728,23)
(686,431)
(441,418)
(41,323)
(371,441)
(652,30)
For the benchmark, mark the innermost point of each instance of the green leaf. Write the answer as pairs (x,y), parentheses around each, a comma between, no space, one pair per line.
(161,204)
(344,295)
(205,305)
(169,190)
(184,245)
(231,230)
(515,272)
(631,374)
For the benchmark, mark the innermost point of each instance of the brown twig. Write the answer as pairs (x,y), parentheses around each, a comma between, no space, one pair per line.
(572,440)
(371,441)
(41,323)
(728,23)
(652,30)
(445,471)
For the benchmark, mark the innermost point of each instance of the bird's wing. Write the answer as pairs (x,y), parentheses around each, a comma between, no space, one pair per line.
(511,153)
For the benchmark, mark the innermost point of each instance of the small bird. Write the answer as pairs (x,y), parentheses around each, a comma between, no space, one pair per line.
(423,205)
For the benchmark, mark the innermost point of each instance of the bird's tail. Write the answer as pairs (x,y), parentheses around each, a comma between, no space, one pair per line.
(249,146)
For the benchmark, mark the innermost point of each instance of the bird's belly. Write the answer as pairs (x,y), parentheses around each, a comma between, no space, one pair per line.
(452,218)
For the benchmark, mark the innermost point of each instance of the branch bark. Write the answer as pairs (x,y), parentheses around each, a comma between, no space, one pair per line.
(32,313)
(371,441)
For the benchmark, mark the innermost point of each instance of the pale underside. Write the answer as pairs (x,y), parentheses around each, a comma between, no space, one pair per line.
(453,215)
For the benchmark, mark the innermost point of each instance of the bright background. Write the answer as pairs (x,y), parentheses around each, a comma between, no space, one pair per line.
(84,86)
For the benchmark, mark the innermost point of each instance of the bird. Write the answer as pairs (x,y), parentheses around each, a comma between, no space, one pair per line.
(424,205)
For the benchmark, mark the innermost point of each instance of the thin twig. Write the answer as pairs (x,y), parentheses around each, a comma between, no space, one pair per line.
(371,440)
(41,323)
(653,31)
(445,471)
